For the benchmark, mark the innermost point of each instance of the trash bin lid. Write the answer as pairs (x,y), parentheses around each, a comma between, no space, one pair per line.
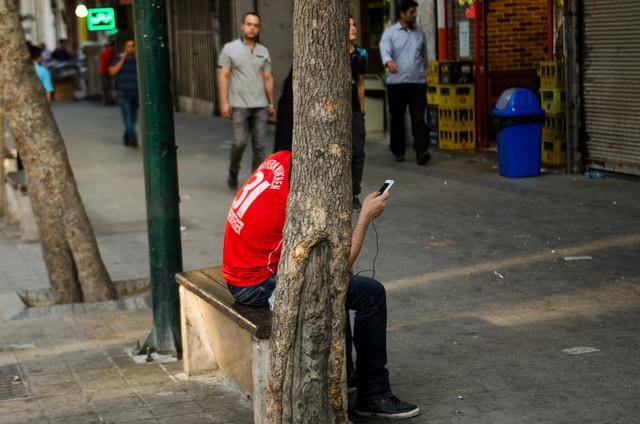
(517,102)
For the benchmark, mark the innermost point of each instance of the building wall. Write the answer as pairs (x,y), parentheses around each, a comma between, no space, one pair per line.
(40,26)
(517,38)
(277,34)
(517,33)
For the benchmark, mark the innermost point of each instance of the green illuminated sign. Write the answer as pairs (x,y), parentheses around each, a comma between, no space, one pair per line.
(100,19)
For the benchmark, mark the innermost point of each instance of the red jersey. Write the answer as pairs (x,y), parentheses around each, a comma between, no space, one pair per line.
(106,57)
(253,234)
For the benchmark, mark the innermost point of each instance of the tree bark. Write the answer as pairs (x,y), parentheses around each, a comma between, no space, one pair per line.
(2,147)
(70,251)
(306,381)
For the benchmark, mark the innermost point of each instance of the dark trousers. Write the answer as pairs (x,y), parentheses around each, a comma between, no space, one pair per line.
(367,298)
(129,107)
(107,88)
(358,137)
(414,96)
(248,123)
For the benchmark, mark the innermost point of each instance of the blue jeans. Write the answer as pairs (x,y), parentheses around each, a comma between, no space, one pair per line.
(367,298)
(257,295)
(129,107)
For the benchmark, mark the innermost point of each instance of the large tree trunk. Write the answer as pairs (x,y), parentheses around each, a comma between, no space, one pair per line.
(306,381)
(71,254)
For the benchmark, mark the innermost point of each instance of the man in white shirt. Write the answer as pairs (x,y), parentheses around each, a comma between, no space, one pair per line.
(404,53)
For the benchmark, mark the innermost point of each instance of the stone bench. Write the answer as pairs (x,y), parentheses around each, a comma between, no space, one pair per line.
(219,334)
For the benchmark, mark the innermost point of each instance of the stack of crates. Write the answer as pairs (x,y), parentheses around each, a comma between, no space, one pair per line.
(552,96)
(456,106)
(433,90)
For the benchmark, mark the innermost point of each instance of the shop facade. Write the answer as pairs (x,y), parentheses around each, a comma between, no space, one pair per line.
(603,75)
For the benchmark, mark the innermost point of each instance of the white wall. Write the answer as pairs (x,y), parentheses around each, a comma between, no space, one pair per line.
(277,34)
(27,8)
(42,28)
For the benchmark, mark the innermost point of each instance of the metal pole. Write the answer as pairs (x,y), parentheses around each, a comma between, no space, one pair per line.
(161,172)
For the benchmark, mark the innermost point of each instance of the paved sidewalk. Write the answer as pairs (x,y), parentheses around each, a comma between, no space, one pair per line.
(491,283)
(78,369)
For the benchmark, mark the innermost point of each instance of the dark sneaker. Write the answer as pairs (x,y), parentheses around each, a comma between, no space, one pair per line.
(423,158)
(133,142)
(356,203)
(388,407)
(232,181)
(399,158)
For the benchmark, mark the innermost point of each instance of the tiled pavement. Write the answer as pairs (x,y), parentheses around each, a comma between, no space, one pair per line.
(78,369)
(482,300)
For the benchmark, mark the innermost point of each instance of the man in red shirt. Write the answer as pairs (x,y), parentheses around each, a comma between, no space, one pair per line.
(251,253)
(106,57)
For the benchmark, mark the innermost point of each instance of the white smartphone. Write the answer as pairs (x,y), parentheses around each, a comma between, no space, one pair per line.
(386,186)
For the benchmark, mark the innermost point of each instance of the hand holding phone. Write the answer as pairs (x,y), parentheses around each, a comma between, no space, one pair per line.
(386,186)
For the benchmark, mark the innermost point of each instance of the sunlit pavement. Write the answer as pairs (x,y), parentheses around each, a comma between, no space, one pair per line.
(510,300)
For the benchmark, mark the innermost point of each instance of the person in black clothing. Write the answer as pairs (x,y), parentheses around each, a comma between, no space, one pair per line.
(62,53)
(284,123)
(359,59)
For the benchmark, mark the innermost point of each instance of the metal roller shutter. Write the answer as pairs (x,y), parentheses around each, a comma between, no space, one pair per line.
(611,84)
(195,47)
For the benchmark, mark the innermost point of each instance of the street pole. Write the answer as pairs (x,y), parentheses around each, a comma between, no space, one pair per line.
(161,173)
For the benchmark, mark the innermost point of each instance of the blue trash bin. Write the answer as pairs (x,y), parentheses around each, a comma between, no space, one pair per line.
(518,119)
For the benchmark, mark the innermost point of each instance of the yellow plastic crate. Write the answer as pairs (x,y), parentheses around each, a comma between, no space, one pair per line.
(432,95)
(457,95)
(456,139)
(433,72)
(551,75)
(554,151)
(555,126)
(456,118)
(553,100)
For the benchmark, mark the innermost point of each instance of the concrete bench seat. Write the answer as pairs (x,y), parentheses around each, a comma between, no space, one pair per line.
(219,334)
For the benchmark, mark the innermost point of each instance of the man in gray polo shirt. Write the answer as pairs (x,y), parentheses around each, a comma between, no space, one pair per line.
(245,90)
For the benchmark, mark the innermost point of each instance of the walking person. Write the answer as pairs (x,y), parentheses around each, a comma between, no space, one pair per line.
(106,59)
(125,72)
(359,59)
(404,53)
(246,95)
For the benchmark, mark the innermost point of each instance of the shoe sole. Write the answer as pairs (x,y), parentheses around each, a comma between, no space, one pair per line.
(399,416)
